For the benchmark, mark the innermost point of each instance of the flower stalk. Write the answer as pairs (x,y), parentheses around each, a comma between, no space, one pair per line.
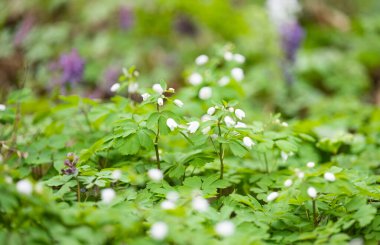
(157,139)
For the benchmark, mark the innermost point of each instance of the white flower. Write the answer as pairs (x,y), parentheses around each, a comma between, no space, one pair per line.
(200,204)
(272,196)
(211,111)
(239,58)
(157,88)
(193,126)
(159,231)
(155,174)
(228,56)
(167,205)
(160,101)
(310,164)
(240,125)
(214,136)
(224,81)
(107,195)
(205,93)
(229,121)
(145,96)
(2,107)
(288,182)
(201,59)
(300,175)
(312,192)
(132,87)
(284,156)
(248,142)
(178,103)
(172,196)
(205,118)
(282,11)
(115,87)
(8,180)
(225,228)
(195,79)
(24,187)
(329,176)
(116,174)
(285,124)
(231,109)
(39,187)
(239,114)
(171,90)
(171,124)
(206,130)
(237,74)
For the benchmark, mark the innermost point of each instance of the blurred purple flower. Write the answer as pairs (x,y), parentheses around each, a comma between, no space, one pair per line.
(125,17)
(23,29)
(72,66)
(292,35)
(70,164)
(185,26)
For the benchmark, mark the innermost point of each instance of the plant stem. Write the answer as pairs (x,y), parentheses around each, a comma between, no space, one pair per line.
(156,141)
(221,152)
(315,213)
(78,190)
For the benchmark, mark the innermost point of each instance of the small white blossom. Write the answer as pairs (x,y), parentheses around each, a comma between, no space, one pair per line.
(240,125)
(225,228)
(205,118)
(201,59)
(329,176)
(108,195)
(206,130)
(288,182)
(171,124)
(224,81)
(229,121)
(167,205)
(248,142)
(24,187)
(300,174)
(240,114)
(282,11)
(214,136)
(160,101)
(145,96)
(159,231)
(284,156)
(200,204)
(133,87)
(178,102)
(193,127)
(237,74)
(211,111)
(312,192)
(195,79)
(205,93)
(239,58)
(310,164)
(115,87)
(116,174)
(155,174)
(231,109)
(272,196)
(8,180)
(228,56)
(171,90)
(157,88)
(172,196)
(285,124)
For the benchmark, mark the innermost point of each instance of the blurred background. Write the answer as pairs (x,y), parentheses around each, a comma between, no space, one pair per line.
(323,50)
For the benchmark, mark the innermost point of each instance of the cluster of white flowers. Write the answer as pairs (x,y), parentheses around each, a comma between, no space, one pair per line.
(229,121)
(155,174)
(229,56)
(107,195)
(159,231)
(201,59)
(169,203)
(225,228)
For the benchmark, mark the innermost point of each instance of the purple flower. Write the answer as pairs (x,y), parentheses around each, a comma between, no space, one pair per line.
(292,35)
(72,66)
(23,30)
(70,163)
(125,17)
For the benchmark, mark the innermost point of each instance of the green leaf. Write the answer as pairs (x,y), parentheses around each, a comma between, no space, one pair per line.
(145,140)
(237,149)
(365,215)
(130,146)
(286,146)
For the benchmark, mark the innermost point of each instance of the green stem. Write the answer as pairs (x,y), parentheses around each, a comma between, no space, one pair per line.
(315,213)
(78,190)
(156,141)
(221,153)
